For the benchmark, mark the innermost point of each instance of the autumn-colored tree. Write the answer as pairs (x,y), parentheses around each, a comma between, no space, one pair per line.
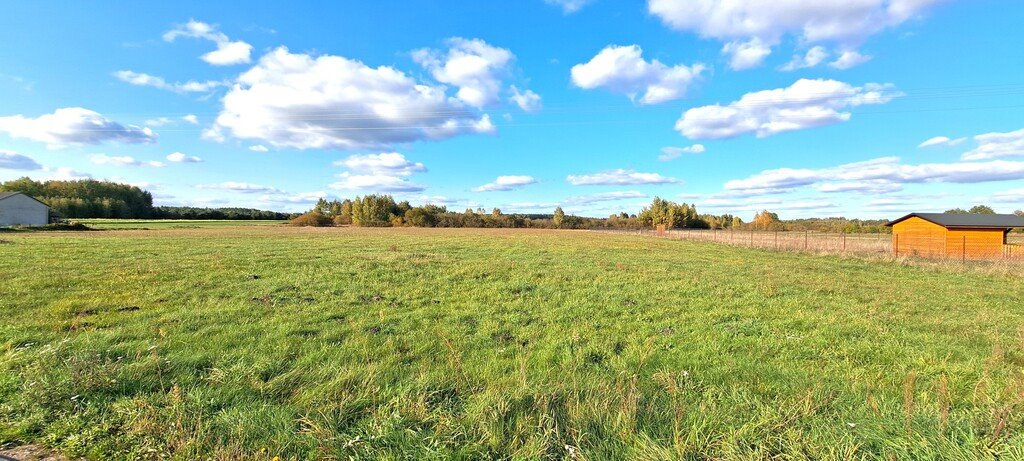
(558,218)
(766,220)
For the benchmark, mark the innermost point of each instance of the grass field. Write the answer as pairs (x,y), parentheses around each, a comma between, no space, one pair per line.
(147,224)
(254,342)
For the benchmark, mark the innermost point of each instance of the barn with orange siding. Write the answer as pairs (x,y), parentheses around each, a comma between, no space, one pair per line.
(943,235)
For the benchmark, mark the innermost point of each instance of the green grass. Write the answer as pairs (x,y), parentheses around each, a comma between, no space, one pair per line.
(251,342)
(146,224)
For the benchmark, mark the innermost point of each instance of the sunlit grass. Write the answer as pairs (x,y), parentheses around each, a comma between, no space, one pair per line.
(254,342)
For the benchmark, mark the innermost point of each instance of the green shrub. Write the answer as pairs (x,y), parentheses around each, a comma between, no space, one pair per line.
(311,219)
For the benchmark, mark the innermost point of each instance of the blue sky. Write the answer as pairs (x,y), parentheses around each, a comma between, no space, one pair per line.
(806,108)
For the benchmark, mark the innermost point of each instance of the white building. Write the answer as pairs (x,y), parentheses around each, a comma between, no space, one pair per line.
(18,209)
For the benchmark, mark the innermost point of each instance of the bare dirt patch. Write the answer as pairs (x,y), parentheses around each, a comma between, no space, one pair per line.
(30,453)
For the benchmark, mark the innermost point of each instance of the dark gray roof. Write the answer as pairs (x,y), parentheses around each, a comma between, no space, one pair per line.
(4,195)
(996,221)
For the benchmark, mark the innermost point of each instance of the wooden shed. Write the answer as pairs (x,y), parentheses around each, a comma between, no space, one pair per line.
(966,236)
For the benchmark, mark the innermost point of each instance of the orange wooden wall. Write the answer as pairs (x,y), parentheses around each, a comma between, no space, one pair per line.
(918,237)
(974,243)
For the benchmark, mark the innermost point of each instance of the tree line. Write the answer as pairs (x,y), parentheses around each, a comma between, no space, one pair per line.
(89,198)
(383,211)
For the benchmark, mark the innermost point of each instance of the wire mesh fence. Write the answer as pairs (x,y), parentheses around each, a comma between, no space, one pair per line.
(960,248)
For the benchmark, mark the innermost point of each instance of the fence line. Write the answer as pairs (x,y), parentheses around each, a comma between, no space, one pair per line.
(868,244)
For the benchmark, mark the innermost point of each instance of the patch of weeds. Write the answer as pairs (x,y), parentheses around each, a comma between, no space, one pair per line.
(370,299)
(595,358)
(469,321)
(523,290)
(504,337)
(738,326)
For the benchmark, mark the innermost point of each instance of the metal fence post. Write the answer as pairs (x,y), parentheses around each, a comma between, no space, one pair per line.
(806,238)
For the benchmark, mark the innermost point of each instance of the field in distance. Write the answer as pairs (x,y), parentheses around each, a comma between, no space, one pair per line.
(144,224)
(250,342)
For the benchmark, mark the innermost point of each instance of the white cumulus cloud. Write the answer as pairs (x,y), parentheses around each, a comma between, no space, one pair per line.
(191,86)
(941,141)
(804,104)
(849,59)
(879,174)
(178,157)
(384,172)
(375,183)
(506,183)
(619,177)
(73,125)
(814,56)
(472,65)
(751,27)
(622,69)
(996,145)
(243,187)
(123,160)
(527,100)
(331,102)
(390,163)
(228,52)
(672,153)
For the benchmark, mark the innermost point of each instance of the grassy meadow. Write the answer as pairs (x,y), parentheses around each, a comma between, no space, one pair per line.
(147,224)
(250,342)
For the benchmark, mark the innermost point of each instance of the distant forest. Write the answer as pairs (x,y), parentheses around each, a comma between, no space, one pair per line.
(89,198)
(104,199)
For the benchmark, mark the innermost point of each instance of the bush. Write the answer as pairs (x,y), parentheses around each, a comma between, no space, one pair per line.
(311,219)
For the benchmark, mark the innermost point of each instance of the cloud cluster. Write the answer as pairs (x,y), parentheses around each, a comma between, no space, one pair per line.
(804,104)
(997,145)
(506,183)
(472,65)
(10,160)
(603,197)
(191,86)
(73,125)
(619,177)
(385,172)
(672,153)
(123,160)
(227,53)
(331,102)
(527,100)
(750,28)
(876,175)
(243,187)
(622,69)
(178,157)
(388,163)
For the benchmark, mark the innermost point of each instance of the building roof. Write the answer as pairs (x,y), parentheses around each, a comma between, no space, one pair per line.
(971,220)
(4,195)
